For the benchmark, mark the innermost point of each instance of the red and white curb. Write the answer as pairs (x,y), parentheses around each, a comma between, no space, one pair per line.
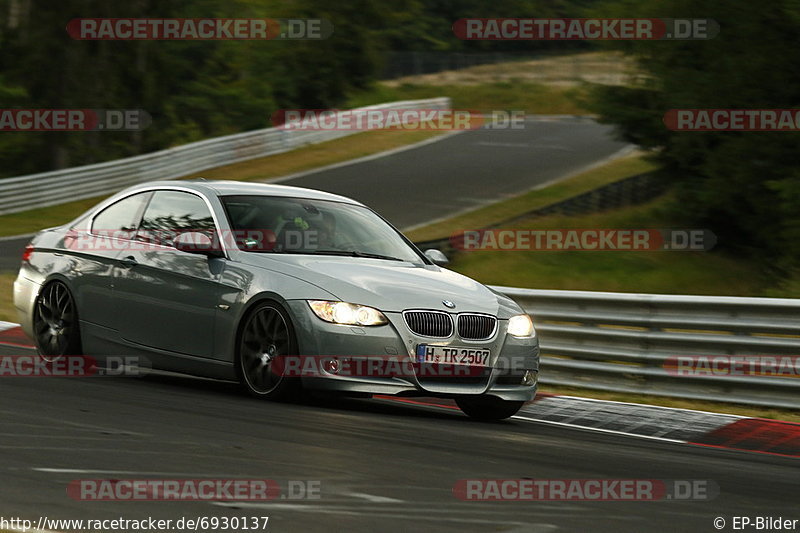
(7,325)
(666,424)
(11,335)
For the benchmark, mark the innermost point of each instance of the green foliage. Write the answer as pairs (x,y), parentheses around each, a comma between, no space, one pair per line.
(664,272)
(743,186)
(192,89)
(427,25)
(200,89)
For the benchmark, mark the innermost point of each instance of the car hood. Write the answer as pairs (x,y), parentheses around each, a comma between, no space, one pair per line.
(390,286)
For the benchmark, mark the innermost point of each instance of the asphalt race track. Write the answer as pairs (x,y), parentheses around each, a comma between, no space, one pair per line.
(457,173)
(381,466)
(468,170)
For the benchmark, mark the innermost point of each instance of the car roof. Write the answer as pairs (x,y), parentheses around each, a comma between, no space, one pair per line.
(230,188)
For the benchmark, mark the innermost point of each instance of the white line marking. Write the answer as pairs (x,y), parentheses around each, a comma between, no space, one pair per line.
(382,512)
(13,237)
(7,325)
(372,497)
(287,177)
(159,474)
(106,450)
(49,427)
(616,155)
(561,117)
(364,159)
(76,437)
(130,473)
(79,425)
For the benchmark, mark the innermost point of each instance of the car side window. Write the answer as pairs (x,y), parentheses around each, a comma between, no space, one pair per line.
(120,219)
(172,212)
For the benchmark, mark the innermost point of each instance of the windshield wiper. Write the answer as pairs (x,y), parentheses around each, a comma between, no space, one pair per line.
(343,253)
(356,253)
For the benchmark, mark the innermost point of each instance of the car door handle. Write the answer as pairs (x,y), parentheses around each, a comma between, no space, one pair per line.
(128,262)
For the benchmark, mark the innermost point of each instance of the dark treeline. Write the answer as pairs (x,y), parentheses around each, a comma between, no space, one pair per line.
(745,186)
(198,89)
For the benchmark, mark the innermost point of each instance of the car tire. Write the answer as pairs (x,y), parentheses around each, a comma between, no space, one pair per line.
(266,333)
(488,407)
(55,323)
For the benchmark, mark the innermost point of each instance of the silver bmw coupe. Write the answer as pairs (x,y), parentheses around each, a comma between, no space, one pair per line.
(281,288)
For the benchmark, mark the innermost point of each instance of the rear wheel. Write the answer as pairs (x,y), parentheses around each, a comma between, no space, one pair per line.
(55,323)
(266,335)
(488,407)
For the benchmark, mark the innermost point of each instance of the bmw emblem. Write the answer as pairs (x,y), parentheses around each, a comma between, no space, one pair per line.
(448,304)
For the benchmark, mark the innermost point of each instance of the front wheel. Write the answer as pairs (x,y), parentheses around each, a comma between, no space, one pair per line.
(55,323)
(266,335)
(488,407)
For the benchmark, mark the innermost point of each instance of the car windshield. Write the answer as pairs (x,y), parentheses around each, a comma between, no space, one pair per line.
(319,227)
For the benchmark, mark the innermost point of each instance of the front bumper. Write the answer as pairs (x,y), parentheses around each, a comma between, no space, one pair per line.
(511,359)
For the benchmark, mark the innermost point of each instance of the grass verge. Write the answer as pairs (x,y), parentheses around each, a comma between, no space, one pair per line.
(306,158)
(562,69)
(665,401)
(665,272)
(8,312)
(518,205)
(550,84)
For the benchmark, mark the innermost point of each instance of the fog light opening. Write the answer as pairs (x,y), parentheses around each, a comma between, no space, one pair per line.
(331,366)
(530,377)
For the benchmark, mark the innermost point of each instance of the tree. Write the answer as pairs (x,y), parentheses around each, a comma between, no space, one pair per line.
(192,89)
(743,186)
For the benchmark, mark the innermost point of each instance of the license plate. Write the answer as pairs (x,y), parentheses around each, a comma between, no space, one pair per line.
(453,355)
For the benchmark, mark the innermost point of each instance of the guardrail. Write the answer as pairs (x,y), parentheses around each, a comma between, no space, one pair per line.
(625,342)
(76,183)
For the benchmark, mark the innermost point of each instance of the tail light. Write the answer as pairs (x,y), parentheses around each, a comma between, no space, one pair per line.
(27,253)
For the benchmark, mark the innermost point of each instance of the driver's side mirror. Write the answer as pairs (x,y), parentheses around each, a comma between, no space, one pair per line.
(437,257)
(194,242)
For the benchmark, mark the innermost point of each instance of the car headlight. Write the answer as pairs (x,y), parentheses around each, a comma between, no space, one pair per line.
(348,314)
(521,326)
